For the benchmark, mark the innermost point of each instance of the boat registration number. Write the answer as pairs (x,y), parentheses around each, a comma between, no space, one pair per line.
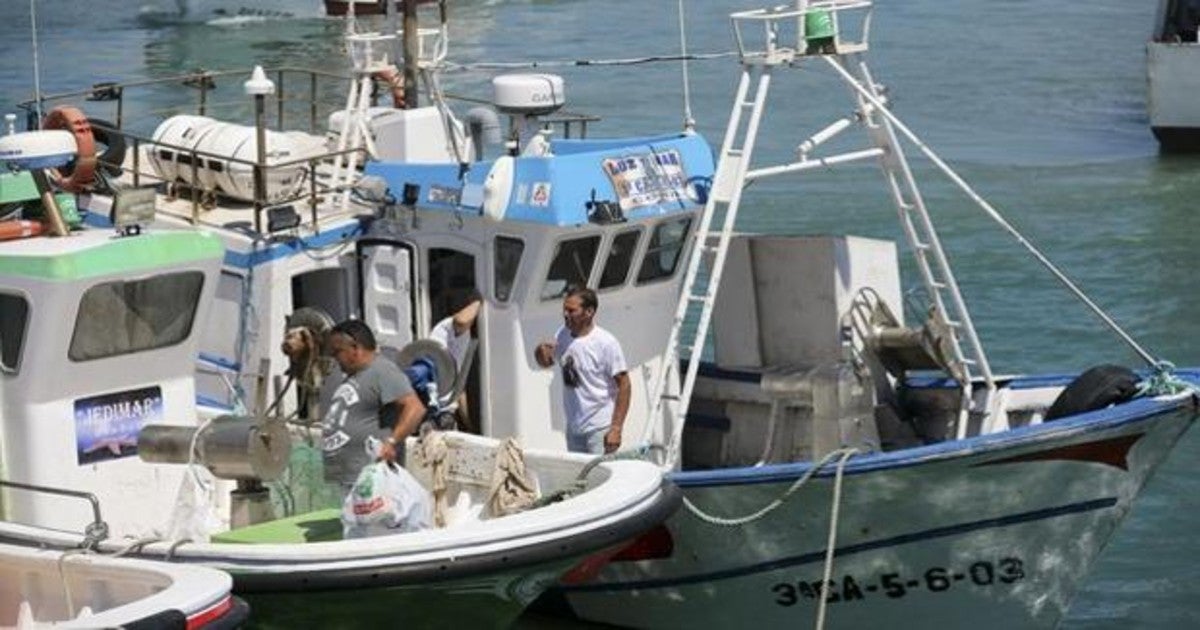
(981,573)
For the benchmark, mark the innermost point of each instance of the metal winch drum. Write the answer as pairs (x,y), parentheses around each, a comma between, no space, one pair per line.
(231,447)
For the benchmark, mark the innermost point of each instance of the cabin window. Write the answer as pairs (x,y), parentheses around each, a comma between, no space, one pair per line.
(620,259)
(508,260)
(451,281)
(324,289)
(127,316)
(662,254)
(14,317)
(572,266)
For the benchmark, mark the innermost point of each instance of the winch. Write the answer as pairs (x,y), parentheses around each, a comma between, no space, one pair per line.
(240,448)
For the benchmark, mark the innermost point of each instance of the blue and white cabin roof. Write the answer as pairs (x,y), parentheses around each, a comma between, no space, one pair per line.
(646,177)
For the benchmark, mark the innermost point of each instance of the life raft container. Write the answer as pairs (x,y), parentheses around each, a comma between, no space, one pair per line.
(82,174)
(20,228)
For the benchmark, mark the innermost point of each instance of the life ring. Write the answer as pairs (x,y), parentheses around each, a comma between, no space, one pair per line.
(395,81)
(79,175)
(18,228)
(113,141)
(1097,388)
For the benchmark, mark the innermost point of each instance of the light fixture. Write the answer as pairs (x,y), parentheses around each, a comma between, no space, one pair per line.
(132,208)
(281,218)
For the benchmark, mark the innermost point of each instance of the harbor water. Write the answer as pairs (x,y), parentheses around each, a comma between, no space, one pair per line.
(1041,106)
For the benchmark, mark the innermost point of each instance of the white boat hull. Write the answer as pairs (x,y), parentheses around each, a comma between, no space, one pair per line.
(1173,75)
(79,590)
(993,532)
(478,572)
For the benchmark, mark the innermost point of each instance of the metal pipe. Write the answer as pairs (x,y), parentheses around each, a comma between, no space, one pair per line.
(95,532)
(411,55)
(260,184)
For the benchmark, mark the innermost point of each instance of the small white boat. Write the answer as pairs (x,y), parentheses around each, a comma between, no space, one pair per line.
(184,11)
(1173,75)
(45,588)
(193,11)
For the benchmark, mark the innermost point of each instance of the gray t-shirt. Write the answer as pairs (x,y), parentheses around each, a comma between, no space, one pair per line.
(356,407)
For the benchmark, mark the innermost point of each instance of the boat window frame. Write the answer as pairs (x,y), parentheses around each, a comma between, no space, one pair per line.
(23,335)
(651,249)
(591,270)
(158,342)
(516,270)
(634,256)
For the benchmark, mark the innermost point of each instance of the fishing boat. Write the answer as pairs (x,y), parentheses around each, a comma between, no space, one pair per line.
(115,456)
(1172,76)
(193,11)
(185,11)
(835,462)
(65,589)
(839,467)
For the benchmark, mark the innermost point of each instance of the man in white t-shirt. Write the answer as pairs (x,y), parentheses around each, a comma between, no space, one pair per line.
(454,333)
(595,378)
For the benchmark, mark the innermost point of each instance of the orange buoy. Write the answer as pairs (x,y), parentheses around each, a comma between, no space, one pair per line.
(394,80)
(20,228)
(83,174)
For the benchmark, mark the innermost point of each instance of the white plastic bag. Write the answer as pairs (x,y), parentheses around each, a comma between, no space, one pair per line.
(194,517)
(385,499)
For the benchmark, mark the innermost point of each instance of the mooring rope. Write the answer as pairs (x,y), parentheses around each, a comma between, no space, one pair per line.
(844,454)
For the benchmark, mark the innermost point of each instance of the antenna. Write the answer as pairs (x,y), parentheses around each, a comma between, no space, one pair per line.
(689,123)
(37,74)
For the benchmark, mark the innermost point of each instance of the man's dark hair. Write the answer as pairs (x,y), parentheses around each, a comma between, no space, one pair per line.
(465,298)
(357,331)
(587,297)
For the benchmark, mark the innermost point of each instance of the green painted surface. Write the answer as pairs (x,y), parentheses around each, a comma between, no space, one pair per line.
(818,25)
(17,187)
(117,255)
(322,525)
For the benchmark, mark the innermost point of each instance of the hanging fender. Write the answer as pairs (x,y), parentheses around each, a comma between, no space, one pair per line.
(395,81)
(16,228)
(79,177)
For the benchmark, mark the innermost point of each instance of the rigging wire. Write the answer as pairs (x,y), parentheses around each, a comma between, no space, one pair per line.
(997,217)
(37,73)
(689,123)
(565,63)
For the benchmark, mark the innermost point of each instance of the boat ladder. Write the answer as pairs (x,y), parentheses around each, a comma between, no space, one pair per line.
(706,262)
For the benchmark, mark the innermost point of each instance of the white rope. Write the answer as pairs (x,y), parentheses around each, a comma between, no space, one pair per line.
(689,123)
(831,542)
(66,584)
(37,73)
(773,505)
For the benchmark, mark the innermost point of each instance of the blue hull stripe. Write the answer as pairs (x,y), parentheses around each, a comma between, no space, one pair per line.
(819,556)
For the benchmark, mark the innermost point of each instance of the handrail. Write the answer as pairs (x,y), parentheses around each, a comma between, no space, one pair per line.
(95,532)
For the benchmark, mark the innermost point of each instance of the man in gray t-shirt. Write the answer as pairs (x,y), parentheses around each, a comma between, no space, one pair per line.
(371,397)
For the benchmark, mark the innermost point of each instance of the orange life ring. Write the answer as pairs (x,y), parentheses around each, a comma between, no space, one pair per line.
(18,228)
(394,80)
(83,174)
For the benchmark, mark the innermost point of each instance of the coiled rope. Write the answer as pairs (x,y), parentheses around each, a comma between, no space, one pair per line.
(1163,382)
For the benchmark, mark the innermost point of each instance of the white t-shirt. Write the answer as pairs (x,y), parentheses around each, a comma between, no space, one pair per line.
(588,365)
(456,345)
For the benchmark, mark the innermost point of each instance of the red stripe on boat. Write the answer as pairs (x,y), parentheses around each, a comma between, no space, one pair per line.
(210,614)
(1112,452)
